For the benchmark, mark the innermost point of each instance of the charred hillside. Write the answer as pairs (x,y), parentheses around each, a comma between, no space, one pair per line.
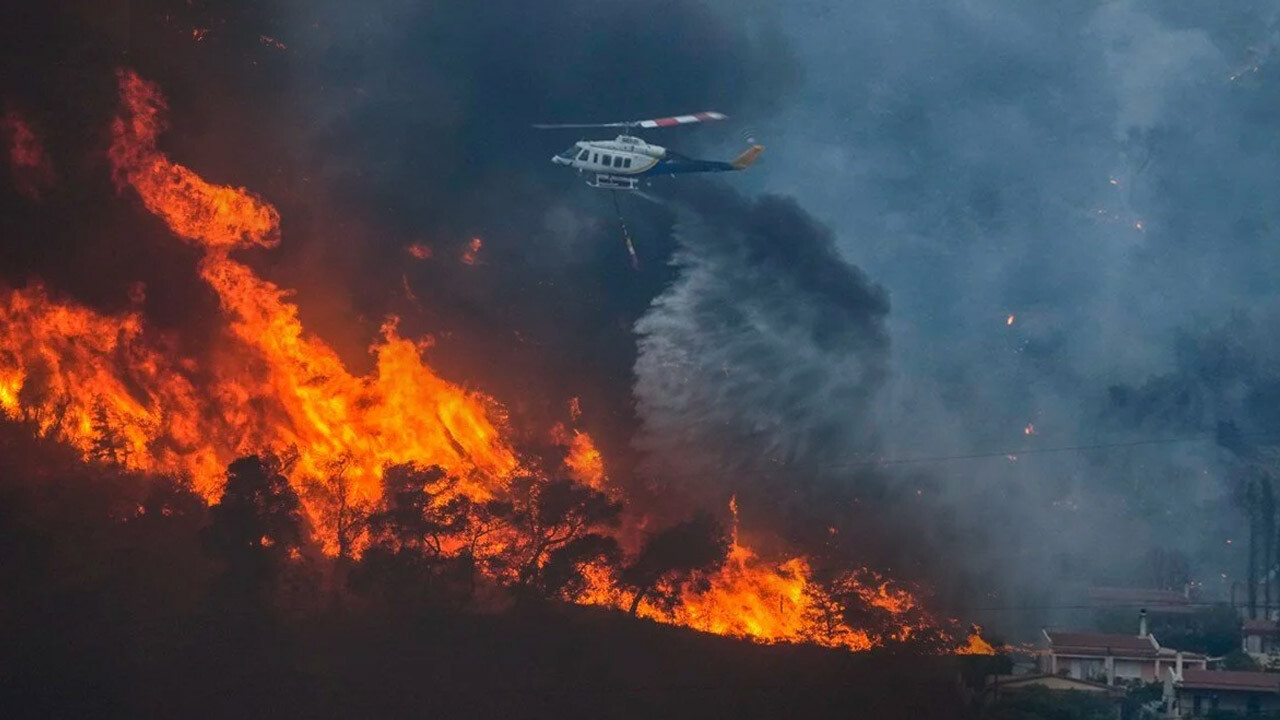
(114,588)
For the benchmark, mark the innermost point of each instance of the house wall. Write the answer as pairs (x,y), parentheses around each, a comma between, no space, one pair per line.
(1261,647)
(1083,668)
(1135,670)
(1231,700)
(1095,668)
(1166,665)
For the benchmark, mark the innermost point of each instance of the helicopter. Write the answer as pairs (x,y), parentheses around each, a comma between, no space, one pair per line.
(619,164)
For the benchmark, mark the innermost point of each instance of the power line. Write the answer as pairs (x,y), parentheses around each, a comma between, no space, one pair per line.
(1163,607)
(1017,453)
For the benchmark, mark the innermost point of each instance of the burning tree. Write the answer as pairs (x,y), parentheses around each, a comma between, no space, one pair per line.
(414,555)
(337,511)
(672,556)
(561,518)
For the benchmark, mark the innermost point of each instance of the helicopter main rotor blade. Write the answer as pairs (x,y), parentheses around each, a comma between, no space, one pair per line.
(545,126)
(706,116)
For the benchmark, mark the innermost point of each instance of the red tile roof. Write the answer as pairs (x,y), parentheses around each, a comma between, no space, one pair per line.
(1100,644)
(1012,682)
(1230,680)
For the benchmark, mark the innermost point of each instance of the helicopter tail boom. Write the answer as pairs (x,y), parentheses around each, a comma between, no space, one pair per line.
(749,156)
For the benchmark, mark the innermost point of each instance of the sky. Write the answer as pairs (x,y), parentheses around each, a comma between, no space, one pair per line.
(978,228)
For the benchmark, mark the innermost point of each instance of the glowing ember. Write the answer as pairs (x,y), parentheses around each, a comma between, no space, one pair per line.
(420,251)
(1030,429)
(1010,319)
(471,255)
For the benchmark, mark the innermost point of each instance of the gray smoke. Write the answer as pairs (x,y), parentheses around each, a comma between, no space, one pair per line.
(1094,170)
(764,354)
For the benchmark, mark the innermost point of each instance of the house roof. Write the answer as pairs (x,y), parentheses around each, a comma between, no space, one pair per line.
(1246,681)
(1259,627)
(1167,653)
(1053,682)
(1102,644)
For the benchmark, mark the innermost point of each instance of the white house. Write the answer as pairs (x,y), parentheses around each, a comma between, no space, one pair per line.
(1108,658)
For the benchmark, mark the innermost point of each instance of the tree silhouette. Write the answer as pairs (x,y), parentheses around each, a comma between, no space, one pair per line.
(672,555)
(163,537)
(109,446)
(563,574)
(342,515)
(255,528)
(410,518)
(549,515)
(1251,509)
(415,551)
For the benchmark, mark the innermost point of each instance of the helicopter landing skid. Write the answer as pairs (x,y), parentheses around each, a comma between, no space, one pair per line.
(614,182)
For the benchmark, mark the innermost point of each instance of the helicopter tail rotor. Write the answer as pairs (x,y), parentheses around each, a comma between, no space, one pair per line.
(749,156)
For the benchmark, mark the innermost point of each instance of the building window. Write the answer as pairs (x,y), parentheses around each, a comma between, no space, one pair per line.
(1254,705)
(1197,705)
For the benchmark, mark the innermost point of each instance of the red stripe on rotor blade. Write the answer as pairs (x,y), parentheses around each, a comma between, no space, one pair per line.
(666,122)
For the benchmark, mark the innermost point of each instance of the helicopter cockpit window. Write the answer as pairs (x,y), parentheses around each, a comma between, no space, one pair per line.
(583,155)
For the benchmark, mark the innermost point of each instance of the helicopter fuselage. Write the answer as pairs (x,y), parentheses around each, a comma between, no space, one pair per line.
(619,163)
(624,155)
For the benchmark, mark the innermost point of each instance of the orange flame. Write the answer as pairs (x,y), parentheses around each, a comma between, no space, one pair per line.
(774,601)
(114,389)
(584,461)
(975,645)
(275,386)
